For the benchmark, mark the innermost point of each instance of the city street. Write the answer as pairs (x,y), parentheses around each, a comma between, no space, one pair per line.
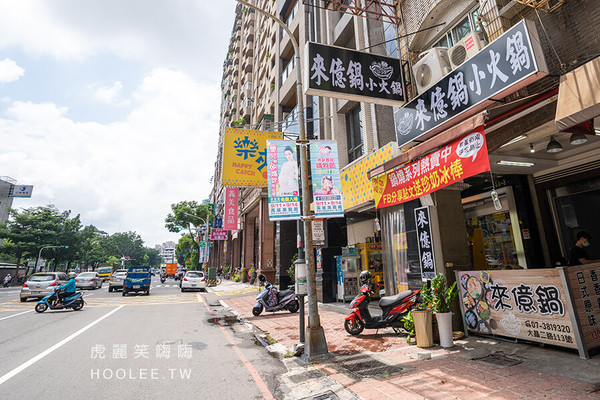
(135,346)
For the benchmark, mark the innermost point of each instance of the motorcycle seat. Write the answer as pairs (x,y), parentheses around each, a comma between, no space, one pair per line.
(283,293)
(389,300)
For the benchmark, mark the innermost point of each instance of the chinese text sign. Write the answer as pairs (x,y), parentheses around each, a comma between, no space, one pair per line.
(218,234)
(245,157)
(327,195)
(282,179)
(353,75)
(584,282)
(520,304)
(465,157)
(425,243)
(502,64)
(230,209)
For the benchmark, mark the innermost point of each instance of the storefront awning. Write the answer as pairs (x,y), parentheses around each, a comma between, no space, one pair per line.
(579,95)
(428,146)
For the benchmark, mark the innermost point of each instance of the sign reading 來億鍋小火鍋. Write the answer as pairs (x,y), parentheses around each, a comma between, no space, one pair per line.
(347,74)
(520,304)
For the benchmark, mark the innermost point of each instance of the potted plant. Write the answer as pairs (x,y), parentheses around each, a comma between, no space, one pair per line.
(439,296)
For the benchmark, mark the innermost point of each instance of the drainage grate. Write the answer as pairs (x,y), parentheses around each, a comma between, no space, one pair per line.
(499,359)
(329,395)
(365,366)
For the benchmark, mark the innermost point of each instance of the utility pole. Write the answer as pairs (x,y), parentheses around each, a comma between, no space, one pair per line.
(315,336)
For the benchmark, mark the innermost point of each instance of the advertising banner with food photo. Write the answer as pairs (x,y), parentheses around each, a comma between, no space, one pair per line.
(282,179)
(326,185)
(520,304)
(465,157)
(245,157)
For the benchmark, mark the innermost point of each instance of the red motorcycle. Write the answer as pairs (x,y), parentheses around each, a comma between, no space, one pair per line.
(393,309)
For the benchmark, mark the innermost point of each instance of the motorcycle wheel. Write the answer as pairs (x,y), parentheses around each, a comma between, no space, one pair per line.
(78,306)
(41,307)
(257,310)
(354,328)
(293,306)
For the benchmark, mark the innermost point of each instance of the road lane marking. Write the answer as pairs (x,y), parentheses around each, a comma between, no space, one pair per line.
(200,299)
(14,315)
(262,386)
(43,354)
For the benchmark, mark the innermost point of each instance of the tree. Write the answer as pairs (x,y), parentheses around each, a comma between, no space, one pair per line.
(188,214)
(153,258)
(129,244)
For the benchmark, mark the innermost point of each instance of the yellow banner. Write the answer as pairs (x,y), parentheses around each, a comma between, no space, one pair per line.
(245,157)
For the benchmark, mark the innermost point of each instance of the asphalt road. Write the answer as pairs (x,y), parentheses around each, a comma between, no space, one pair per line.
(163,346)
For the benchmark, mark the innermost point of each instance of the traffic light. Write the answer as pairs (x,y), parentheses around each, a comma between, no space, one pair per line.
(178,228)
(66,247)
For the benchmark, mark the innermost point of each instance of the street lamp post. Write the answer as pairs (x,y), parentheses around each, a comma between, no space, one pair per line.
(205,222)
(315,336)
(40,254)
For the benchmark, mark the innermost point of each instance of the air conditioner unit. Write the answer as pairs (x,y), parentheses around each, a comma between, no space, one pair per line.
(432,66)
(466,48)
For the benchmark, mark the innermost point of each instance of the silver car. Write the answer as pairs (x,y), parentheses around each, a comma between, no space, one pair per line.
(116,280)
(88,280)
(40,284)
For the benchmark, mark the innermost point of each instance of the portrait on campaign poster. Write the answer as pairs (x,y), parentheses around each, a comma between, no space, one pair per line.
(288,172)
(282,180)
(326,184)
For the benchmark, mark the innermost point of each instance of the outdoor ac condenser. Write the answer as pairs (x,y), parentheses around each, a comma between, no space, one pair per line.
(432,66)
(466,48)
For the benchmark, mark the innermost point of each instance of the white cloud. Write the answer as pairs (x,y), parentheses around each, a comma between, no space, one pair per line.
(108,94)
(184,35)
(10,71)
(126,174)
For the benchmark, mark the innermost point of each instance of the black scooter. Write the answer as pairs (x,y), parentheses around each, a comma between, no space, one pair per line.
(163,279)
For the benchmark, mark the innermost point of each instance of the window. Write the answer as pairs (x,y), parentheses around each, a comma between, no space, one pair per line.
(459,31)
(354,134)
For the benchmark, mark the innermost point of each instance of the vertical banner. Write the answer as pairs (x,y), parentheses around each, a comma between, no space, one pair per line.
(326,184)
(282,180)
(425,242)
(230,209)
(218,222)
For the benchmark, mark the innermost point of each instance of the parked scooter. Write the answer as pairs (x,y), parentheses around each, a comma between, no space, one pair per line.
(393,308)
(51,301)
(271,299)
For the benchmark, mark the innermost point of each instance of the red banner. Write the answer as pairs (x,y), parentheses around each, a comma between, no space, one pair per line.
(465,157)
(230,209)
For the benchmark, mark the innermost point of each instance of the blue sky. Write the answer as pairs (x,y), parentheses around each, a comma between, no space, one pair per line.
(110,108)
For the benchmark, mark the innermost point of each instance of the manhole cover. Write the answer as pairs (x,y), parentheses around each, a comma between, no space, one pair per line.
(365,366)
(197,345)
(499,360)
(329,395)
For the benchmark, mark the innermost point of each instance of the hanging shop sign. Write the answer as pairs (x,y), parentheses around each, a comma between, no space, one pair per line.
(521,304)
(22,191)
(230,209)
(218,234)
(356,186)
(342,73)
(509,63)
(282,178)
(324,167)
(465,157)
(218,222)
(245,157)
(211,208)
(425,242)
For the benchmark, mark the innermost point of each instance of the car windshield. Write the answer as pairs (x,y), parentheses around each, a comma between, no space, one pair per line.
(42,278)
(86,275)
(194,275)
(104,270)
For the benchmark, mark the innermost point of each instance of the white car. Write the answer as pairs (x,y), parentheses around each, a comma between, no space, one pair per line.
(193,280)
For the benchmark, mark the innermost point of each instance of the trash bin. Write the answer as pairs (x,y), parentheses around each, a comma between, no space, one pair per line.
(423,327)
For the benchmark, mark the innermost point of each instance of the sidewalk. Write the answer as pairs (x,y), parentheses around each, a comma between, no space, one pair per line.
(384,366)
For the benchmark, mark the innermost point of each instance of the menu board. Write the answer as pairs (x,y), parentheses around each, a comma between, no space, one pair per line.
(584,283)
(520,304)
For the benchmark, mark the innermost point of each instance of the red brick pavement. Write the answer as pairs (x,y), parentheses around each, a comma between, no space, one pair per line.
(446,376)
